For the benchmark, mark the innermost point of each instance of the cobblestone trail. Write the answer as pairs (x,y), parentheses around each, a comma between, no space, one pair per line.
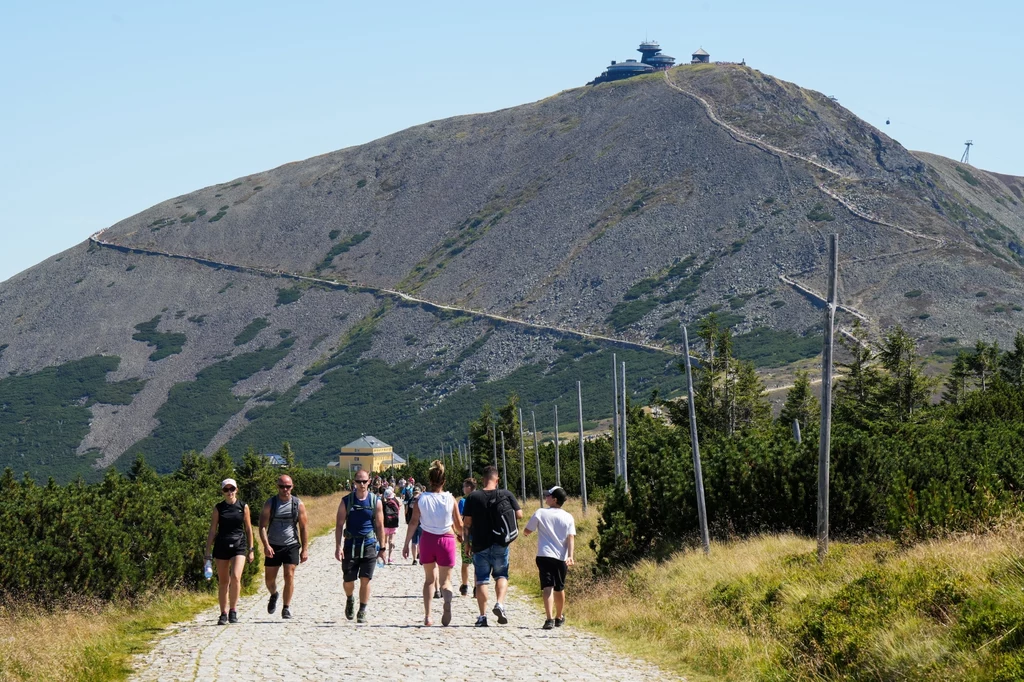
(319,643)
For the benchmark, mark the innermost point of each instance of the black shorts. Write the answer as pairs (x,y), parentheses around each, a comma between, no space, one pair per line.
(358,567)
(552,573)
(283,555)
(229,548)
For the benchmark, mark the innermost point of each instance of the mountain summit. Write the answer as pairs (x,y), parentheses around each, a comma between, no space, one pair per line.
(394,287)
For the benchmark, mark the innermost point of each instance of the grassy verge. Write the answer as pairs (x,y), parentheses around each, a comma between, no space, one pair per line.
(94,642)
(763,609)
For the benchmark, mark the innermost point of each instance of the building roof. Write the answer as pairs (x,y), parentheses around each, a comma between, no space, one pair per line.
(365,442)
(649,45)
(701,53)
(275,459)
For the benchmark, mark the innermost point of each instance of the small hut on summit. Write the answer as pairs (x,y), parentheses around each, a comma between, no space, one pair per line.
(701,57)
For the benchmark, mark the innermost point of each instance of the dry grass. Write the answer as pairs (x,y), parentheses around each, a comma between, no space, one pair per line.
(95,641)
(742,613)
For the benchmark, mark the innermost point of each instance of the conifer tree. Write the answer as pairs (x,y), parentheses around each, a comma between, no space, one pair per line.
(905,388)
(1012,364)
(956,383)
(801,405)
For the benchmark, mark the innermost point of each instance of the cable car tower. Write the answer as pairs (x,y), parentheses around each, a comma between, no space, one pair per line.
(966,158)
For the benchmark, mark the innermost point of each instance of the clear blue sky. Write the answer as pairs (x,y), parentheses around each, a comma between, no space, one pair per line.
(108,107)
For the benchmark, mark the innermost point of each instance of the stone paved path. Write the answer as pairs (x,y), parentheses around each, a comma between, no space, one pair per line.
(319,643)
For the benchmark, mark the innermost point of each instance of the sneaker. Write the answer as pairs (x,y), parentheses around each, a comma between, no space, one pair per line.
(232,617)
(446,616)
(549,624)
(350,608)
(481,622)
(286,612)
(361,616)
(272,604)
(437,594)
(464,590)
(559,622)
(223,620)
(499,611)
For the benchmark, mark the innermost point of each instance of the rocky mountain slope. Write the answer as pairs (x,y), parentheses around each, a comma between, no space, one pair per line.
(391,288)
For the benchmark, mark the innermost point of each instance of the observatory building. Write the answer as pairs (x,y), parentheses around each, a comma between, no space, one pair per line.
(652,60)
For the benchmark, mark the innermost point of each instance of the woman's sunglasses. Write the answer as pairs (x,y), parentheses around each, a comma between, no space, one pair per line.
(229,489)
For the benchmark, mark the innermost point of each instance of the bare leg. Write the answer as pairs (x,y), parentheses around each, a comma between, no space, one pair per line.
(481,597)
(270,577)
(548,602)
(235,584)
(437,584)
(444,577)
(364,591)
(289,583)
(500,588)
(428,589)
(350,589)
(223,578)
(465,573)
(559,604)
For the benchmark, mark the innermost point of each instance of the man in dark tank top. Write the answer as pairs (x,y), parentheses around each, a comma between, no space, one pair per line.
(284,535)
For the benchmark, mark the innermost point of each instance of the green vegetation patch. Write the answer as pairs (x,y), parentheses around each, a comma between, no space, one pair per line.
(967,176)
(221,212)
(251,330)
(45,415)
(767,347)
(165,343)
(625,314)
(818,214)
(914,293)
(340,248)
(196,410)
(289,295)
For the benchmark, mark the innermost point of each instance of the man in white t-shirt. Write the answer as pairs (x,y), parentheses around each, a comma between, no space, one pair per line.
(556,542)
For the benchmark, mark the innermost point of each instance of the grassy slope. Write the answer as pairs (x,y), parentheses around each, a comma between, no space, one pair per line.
(763,609)
(95,642)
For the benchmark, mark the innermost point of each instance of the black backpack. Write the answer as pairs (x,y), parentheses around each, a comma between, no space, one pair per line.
(502,515)
(391,507)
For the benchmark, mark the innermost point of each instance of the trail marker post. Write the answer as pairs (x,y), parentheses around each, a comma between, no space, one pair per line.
(536,456)
(625,463)
(698,475)
(494,446)
(522,457)
(558,464)
(504,470)
(583,459)
(615,416)
(825,444)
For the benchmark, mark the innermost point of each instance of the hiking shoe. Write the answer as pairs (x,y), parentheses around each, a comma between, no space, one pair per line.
(559,622)
(223,620)
(464,590)
(437,594)
(499,611)
(350,608)
(286,612)
(361,616)
(232,617)
(272,604)
(481,622)
(446,616)
(549,624)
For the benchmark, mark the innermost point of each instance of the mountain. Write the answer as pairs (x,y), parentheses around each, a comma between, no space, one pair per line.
(394,287)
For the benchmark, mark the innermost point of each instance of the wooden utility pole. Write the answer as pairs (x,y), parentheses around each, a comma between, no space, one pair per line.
(469,457)
(625,461)
(615,416)
(504,469)
(583,459)
(698,475)
(558,464)
(536,456)
(522,458)
(494,445)
(825,444)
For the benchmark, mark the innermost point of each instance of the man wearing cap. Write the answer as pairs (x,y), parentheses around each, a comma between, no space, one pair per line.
(285,540)
(556,542)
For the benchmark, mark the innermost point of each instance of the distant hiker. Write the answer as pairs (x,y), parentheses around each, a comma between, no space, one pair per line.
(230,539)
(418,531)
(436,514)
(285,538)
(360,523)
(556,543)
(468,486)
(392,511)
(491,519)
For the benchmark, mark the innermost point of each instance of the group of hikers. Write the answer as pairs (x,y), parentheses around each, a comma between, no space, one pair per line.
(484,522)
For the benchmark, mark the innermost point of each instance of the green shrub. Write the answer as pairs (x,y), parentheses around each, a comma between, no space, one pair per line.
(166,344)
(818,214)
(251,330)
(289,295)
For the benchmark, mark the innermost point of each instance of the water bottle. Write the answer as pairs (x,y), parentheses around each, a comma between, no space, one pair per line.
(380,559)
(208,569)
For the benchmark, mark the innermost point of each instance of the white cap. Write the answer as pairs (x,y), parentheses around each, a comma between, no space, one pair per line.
(228,481)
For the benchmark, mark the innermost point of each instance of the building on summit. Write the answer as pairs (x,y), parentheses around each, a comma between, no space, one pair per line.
(367,452)
(701,57)
(652,60)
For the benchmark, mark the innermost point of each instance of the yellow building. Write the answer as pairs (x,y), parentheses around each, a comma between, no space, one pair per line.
(367,452)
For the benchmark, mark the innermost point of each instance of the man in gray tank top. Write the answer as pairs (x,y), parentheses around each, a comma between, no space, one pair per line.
(284,535)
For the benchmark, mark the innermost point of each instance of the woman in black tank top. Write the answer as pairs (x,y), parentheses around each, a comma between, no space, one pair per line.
(230,538)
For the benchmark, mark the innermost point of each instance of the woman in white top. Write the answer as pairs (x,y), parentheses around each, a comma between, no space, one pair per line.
(438,514)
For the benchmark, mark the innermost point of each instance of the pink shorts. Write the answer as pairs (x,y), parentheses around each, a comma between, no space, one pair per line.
(389,531)
(439,549)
